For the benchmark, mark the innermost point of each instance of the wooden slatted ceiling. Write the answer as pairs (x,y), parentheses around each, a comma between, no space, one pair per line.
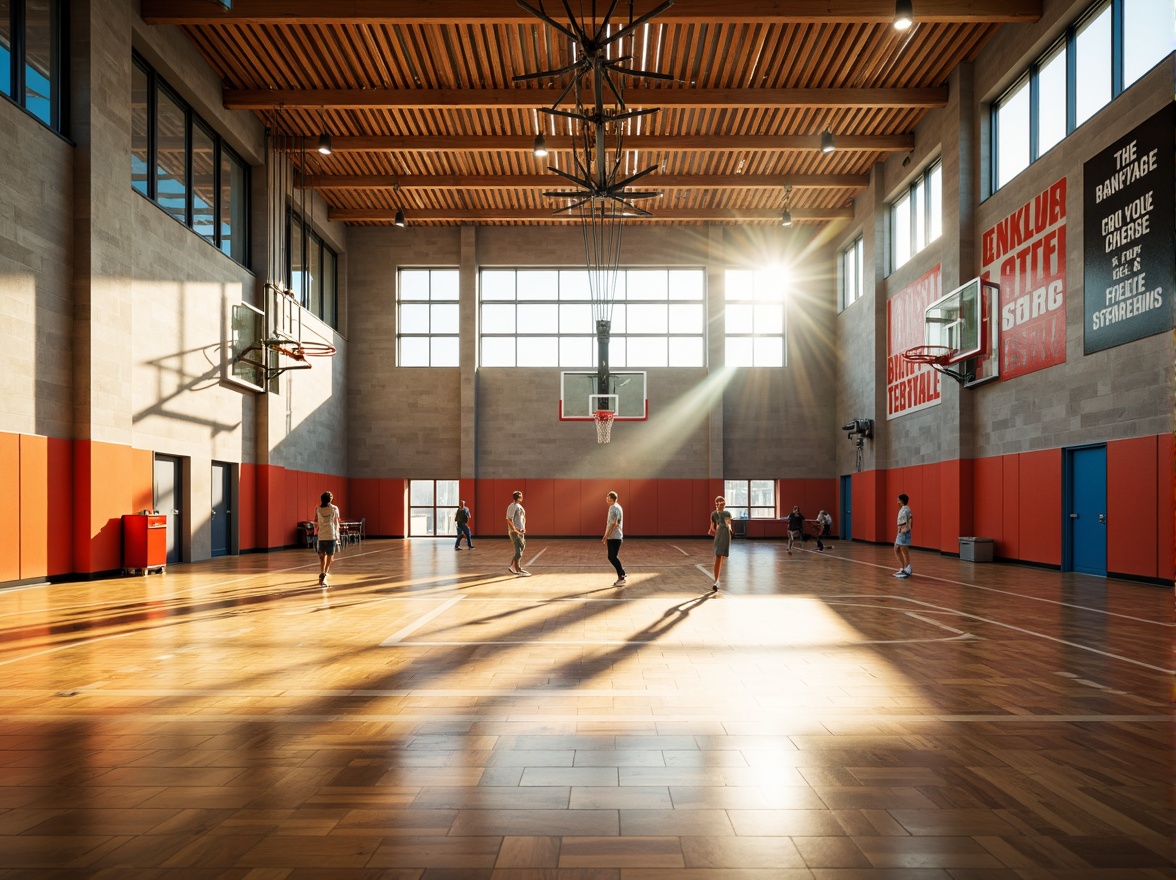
(338,71)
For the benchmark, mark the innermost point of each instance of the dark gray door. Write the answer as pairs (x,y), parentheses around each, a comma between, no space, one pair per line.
(222,514)
(169,486)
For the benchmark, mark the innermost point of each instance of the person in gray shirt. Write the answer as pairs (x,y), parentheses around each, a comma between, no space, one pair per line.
(613,536)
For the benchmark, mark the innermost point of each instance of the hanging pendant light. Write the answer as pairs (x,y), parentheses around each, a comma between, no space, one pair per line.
(904,14)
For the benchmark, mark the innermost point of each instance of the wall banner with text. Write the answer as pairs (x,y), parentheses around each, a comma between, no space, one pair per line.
(1025,253)
(1129,255)
(910,387)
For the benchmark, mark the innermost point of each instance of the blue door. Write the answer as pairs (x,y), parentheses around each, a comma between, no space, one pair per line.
(846,531)
(1086,516)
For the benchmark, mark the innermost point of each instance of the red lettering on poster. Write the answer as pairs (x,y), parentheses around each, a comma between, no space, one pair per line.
(910,387)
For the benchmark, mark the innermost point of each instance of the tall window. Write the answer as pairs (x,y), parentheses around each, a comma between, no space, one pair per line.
(1110,46)
(427,318)
(754,316)
(312,274)
(431,506)
(32,57)
(750,499)
(544,318)
(852,269)
(916,217)
(185,167)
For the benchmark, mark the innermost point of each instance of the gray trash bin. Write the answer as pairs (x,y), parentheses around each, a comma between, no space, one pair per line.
(976,549)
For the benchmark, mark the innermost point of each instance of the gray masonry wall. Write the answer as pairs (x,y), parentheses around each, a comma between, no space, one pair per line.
(411,422)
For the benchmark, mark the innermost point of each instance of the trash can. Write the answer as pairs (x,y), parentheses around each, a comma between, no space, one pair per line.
(306,534)
(976,549)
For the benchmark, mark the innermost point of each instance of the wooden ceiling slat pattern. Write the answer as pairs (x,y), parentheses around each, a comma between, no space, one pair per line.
(335,66)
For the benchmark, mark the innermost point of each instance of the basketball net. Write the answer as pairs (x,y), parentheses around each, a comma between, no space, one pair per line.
(604,422)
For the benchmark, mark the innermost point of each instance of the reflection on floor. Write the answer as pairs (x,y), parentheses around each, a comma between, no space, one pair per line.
(431,716)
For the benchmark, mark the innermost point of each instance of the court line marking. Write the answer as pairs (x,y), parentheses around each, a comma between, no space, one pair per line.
(397,637)
(932,577)
(679,549)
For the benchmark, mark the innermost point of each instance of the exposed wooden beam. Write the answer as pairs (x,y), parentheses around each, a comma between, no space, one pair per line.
(466,215)
(553,181)
(432,99)
(679,143)
(507,12)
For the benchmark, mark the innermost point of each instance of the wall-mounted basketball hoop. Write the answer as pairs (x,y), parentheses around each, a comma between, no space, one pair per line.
(939,357)
(604,422)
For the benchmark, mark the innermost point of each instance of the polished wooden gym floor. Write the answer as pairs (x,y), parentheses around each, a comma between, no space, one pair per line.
(432,716)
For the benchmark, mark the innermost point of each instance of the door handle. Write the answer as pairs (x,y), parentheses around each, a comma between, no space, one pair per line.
(1102,518)
(1073,516)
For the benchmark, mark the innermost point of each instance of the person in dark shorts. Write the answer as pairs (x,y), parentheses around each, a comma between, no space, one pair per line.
(462,520)
(795,528)
(326,519)
(720,527)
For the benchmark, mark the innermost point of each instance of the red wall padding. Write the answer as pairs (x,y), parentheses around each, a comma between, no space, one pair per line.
(1133,508)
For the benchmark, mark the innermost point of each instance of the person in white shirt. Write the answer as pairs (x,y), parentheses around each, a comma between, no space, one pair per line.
(824,526)
(516,527)
(613,536)
(902,540)
(326,517)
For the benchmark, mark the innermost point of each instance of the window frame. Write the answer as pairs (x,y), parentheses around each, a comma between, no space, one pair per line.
(733,488)
(435,509)
(58,63)
(1067,42)
(756,301)
(429,302)
(226,244)
(920,197)
(327,312)
(565,346)
(855,254)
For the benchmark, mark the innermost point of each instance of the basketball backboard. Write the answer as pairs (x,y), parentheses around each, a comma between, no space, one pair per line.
(248,357)
(966,322)
(579,396)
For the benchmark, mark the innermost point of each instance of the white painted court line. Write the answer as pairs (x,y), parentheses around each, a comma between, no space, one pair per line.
(395,638)
(531,561)
(968,584)
(679,549)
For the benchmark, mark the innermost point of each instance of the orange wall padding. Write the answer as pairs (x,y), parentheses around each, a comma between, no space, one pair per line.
(34,505)
(10,491)
(1133,508)
(1040,508)
(102,494)
(247,507)
(142,480)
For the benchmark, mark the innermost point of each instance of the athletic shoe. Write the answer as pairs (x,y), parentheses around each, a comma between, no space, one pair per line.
(522,572)
(619,582)
(715,587)
(456,548)
(511,569)
(322,578)
(902,574)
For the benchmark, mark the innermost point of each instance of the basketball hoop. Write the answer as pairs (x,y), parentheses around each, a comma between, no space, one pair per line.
(604,422)
(936,355)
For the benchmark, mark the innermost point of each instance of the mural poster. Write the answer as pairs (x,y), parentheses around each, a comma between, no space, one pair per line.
(1025,253)
(1129,256)
(910,387)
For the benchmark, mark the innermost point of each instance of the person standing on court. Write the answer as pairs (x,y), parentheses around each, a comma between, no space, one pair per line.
(824,525)
(720,527)
(462,519)
(902,540)
(795,528)
(516,527)
(613,536)
(326,518)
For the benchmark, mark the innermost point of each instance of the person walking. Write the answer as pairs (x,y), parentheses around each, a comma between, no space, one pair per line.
(720,527)
(516,527)
(902,540)
(613,536)
(326,519)
(462,520)
(795,528)
(824,527)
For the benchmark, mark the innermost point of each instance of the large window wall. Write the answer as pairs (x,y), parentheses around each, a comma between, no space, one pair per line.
(180,163)
(428,318)
(916,217)
(544,318)
(755,317)
(313,272)
(1109,47)
(431,507)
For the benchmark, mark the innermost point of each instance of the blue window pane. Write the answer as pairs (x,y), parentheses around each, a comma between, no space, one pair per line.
(39,59)
(6,47)
(204,183)
(171,146)
(234,201)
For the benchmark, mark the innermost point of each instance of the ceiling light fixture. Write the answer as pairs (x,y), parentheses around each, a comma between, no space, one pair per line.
(324,144)
(398,220)
(786,217)
(904,14)
(827,145)
(540,146)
